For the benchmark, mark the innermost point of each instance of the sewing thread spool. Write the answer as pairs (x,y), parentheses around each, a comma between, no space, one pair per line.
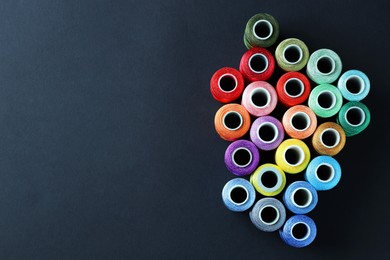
(232,121)
(328,139)
(298,231)
(354,117)
(323,172)
(238,195)
(299,122)
(324,66)
(300,197)
(354,85)
(268,214)
(266,133)
(292,54)
(262,30)
(242,157)
(325,100)
(292,156)
(293,88)
(226,85)
(259,98)
(257,64)
(268,179)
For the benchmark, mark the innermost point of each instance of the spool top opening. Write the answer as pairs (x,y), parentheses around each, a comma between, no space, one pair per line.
(232,120)
(292,54)
(324,172)
(300,121)
(258,63)
(355,85)
(326,100)
(294,155)
(269,179)
(269,215)
(260,97)
(227,83)
(242,157)
(325,65)
(262,29)
(294,88)
(301,197)
(267,132)
(300,231)
(355,116)
(330,138)
(238,195)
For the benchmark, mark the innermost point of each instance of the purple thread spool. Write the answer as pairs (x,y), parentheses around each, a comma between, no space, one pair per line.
(267,133)
(242,157)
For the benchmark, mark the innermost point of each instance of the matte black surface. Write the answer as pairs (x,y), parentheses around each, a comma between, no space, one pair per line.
(107,142)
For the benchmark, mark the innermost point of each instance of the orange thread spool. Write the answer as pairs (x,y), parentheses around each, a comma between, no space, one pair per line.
(232,121)
(299,122)
(329,139)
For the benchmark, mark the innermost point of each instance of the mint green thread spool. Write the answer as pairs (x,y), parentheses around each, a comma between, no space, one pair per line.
(324,66)
(354,117)
(262,30)
(325,100)
(292,54)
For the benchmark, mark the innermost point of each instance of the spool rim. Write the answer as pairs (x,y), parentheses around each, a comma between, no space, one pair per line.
(309,199)
(332,173)
(362,84)
(270,28)
(330,94)
(361,113)
(301,85)
(279,180)
(332,62)
(227,75)
(307,234)
(232,112)
(300,152)
(274,128)
(296,47)
(265,59)
(246,192)
(250,157)
(305,116)
(337,135)
(262,91)
(276,218)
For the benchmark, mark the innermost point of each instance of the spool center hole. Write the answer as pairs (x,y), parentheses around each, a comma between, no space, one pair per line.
(267,133)
(227,83)
(329,138)
(260,98)
(269,179)
(300,122)
(294,87)
(292,156)
(324,172)
(238,195)
(301,197)
(268,214)
(263,29)
(355,116)
(326,100)
(354,85)
(300,231)
(325,65)
(292,54)
(232,120)
(242,157)
(258,63)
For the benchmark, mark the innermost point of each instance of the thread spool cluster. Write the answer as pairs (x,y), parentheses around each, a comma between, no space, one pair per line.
(289,129)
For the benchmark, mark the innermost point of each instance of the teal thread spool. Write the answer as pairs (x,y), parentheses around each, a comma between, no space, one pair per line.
(354,85)
(262,30)
(325,100)
(292,54)
(324,66)
(354,117)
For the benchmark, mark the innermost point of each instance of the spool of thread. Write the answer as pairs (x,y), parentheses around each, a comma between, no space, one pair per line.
(292,156)
(323,172)
(292,54)
(298,231)
(293,88)
(299,122)
(266,133)
(227,85)
(300,197)
(354,85)
(257,64)
(268,214)
(242,157)
(268,179)
(262,30)
(354,117)
(238,195)
(325,100)
(232,121)
(328,139)
(259,98)
(324,66)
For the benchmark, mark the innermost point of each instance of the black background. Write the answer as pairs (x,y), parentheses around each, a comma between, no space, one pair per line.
(107,142)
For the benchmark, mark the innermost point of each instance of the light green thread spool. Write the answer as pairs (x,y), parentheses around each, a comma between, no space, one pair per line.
(292,54)
(262,30)
(325,100)
(324,66)
(354,117)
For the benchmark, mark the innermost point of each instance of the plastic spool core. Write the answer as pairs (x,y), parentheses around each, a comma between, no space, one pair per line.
(258,63)
(269,215)
(227,83)
(325,65)
(354,85)
(300,231)
(242,157)
(238,195)
(294,155)
(292,54)
(301,197)
(262,29)
(326,100)
(300,121)
(324,172)
(330,138)
(260,97)
(355,116)
(267,132)
(269,179)
(232,120)
(294,87)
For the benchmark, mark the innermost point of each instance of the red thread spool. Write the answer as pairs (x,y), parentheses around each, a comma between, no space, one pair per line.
(257,64)
(226,85)
(232,121)
(293,88)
